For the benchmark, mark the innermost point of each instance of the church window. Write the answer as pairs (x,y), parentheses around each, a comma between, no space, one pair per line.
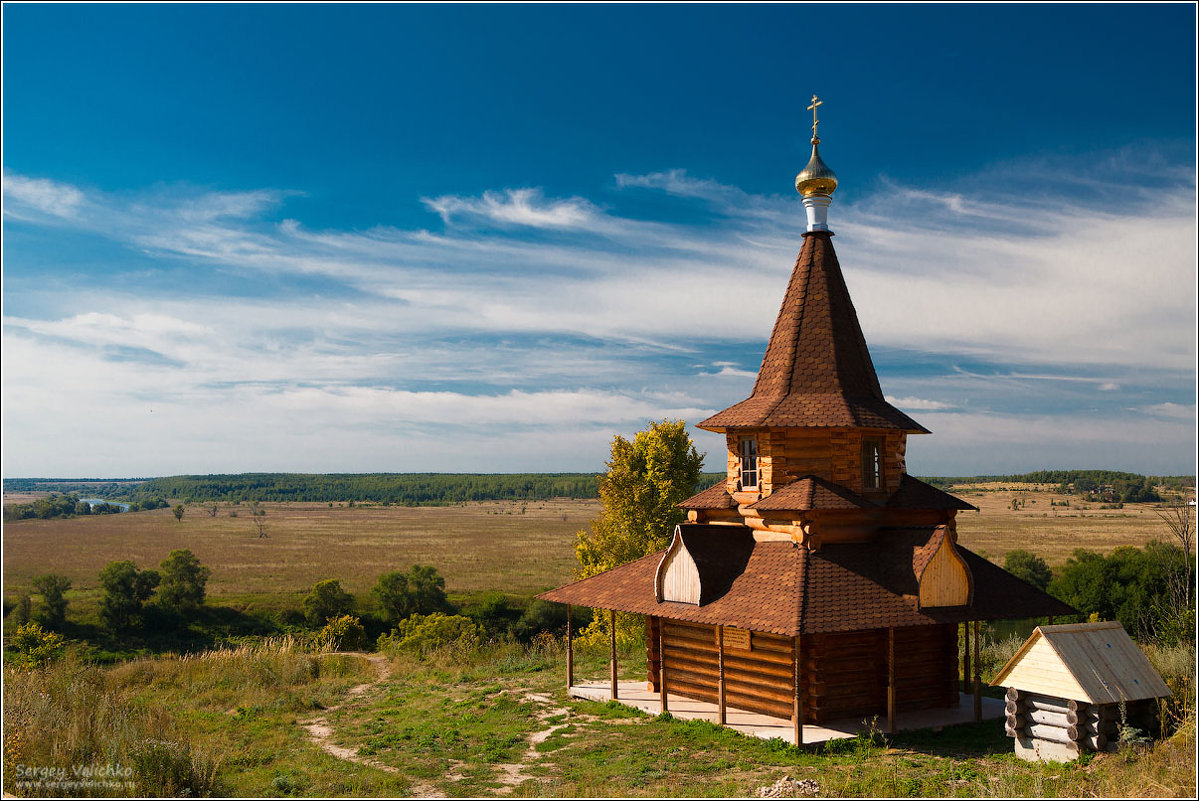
(872,464)
(749,463)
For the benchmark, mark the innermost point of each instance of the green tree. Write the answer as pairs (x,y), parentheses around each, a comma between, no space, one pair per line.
(1028,566)
(178,510)
(419,591)
(183,581)
(646,480)
(126,590)
(1132,585)
(327,600)
(52,587)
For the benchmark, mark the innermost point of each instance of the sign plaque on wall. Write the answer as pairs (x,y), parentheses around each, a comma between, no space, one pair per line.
(736,638)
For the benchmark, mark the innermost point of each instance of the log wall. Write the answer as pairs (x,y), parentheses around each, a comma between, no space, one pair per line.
(842,675)
(848,671)
(832,454)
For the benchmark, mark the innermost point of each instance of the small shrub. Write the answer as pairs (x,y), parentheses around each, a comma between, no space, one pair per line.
(167,769)
(425,633)
(344,633)
(37,646)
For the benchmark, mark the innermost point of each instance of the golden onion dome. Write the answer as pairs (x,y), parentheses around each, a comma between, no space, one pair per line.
(816,178)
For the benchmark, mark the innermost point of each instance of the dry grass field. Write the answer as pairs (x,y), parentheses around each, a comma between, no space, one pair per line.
(480,546)
(477,547)
(1052,532)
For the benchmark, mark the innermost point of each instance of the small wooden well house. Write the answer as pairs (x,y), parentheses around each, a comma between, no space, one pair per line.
(1071,688)
(819,581)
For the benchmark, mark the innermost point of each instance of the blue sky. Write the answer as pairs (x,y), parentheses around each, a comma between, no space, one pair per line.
(487,238)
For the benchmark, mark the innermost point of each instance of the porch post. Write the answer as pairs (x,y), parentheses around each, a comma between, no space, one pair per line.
(662,666)
(720,708)
(797,709)
(978,679)
(891,681)
(570,653)
(966,657)
(612,632)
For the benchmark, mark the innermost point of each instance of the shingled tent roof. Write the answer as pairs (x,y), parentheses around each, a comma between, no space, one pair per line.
(789,590)
(817,371)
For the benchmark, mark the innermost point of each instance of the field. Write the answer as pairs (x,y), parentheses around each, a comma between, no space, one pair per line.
(506,546)
(1045,525)
(280,718)
(515,548)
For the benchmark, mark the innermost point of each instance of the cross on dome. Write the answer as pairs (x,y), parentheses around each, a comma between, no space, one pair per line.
(812,108)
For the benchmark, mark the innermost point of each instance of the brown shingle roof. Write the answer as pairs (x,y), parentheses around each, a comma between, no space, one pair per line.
(817,370)
(714,497)
(812,492)
(787,590)
(915,494)
(765,597)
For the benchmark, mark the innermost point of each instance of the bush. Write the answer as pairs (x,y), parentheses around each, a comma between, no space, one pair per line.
(493,614)
(327,600)
(343,633)
(166,769)
(545,616)
(424,633)
(37,646)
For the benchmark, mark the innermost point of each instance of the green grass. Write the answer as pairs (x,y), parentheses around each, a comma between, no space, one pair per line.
(227,722)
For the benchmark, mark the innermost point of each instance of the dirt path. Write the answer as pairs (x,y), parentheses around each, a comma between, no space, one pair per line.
(321,733)
(510,775)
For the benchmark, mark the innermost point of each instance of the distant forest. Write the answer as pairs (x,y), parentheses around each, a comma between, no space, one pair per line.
(439,489)
(1109,485)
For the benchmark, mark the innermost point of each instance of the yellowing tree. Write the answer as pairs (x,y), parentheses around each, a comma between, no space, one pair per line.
(646,480)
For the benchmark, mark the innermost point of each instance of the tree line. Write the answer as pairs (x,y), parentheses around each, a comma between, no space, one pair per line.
(1110,485)
(406,489)
(57,506)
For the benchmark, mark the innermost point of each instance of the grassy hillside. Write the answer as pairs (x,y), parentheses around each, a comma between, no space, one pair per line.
(278,720)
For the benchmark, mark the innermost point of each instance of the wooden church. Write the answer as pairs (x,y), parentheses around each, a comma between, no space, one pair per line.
(819,581)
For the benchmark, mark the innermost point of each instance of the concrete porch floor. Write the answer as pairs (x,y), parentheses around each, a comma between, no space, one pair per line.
(634,694)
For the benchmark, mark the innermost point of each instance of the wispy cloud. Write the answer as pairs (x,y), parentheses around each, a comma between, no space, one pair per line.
(563,315)
(26,198)
(918,404)
(527,207)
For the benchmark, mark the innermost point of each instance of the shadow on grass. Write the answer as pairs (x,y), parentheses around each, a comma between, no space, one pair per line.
(964,740)
(164,631)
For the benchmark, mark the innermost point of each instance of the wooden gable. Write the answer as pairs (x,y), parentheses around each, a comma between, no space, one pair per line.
(1094,662)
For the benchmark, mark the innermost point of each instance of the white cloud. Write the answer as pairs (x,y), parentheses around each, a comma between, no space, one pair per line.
(575,327)
(1176,411)
(918,404)
(24,195)
(527,207)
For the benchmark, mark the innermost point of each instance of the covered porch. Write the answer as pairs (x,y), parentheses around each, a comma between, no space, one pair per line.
(636,695)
